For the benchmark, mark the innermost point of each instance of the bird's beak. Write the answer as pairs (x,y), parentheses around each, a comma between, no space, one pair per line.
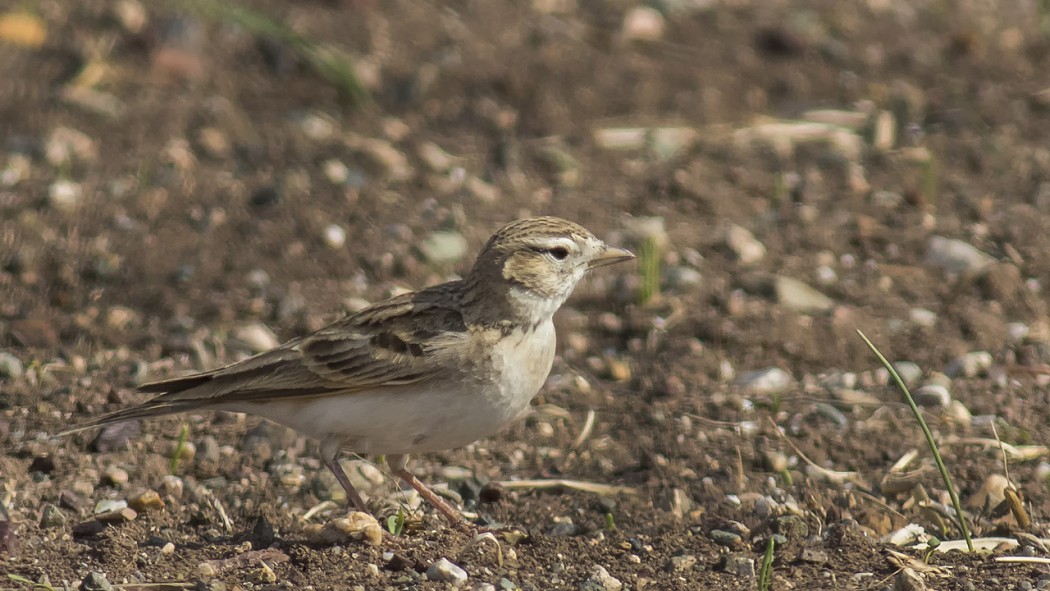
(610,256)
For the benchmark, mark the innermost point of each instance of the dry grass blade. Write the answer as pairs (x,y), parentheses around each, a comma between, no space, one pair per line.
(591,487)
(588,427)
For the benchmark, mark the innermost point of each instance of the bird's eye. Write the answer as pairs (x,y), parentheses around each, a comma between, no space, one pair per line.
(559,252)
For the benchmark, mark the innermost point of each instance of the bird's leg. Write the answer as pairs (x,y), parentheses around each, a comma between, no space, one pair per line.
(330,449)
(398,463)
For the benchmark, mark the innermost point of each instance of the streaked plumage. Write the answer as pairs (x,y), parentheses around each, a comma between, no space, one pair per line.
(423,371)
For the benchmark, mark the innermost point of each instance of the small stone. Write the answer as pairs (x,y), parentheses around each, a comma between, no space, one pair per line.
(643,23)
(796,295)
(70,500)
(601,580)
(725,538)
(51,516)
(909,372)
(147,500)
(171,486)
(266,197)
(115,476)
(444,247)
(95,581)
(336,172)
(958,414)
(109,505)
(955,256)
(922,317)
(792,527)
(435,158)
(65,195)
(683,277)
(83,488)
(8,540)
(741,566)
(124,515)
(744,245)
(10,366)
(683,562)
(257,337)
(167,548)
(334,236)
(933,395)
(88,528)
(969,365)
(443,570)
(115,437)
(771,380)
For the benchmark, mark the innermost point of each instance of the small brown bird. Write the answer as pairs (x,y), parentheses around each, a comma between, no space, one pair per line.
(423,371)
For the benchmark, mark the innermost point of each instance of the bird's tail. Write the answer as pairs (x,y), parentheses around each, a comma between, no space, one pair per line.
(152,408)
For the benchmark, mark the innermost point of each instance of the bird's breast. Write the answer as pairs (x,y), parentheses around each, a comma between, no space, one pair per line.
(521,362)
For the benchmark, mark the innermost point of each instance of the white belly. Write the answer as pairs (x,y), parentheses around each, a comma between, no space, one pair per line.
(427,416)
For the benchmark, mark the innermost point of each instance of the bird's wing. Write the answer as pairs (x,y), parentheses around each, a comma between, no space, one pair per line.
(406,339)
(400,341)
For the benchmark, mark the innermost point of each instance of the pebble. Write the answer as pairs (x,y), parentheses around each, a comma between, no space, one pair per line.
(65,195)
(771,380)
(119,516)
(743,244)
(798,296)
(443,570)
(725,538)
(95,581)
(172,486)
(115,476)
(792,527)
(109,505)
(51,516)
(683,277)
(909,372)
(256,336)
(958,414)
(334,236)
(934,395)
(969,365)
(187,450)
(88,528)
(643,23)
(115,437)
(444,247)
(682,563)
(955,256)
(741,566)
(922,317)
(336,172)
(10,366)
(146,500)
(600,580)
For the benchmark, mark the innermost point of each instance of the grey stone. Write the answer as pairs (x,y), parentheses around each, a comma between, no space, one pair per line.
(682,563)
(95,581)
(741,566)
(601,580)
(955,256)
(771,380)
(443,570)
(51,516)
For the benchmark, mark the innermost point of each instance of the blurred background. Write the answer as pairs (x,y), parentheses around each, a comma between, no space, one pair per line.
(185,182)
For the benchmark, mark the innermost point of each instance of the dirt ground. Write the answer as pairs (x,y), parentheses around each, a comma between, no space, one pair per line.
(176,180)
